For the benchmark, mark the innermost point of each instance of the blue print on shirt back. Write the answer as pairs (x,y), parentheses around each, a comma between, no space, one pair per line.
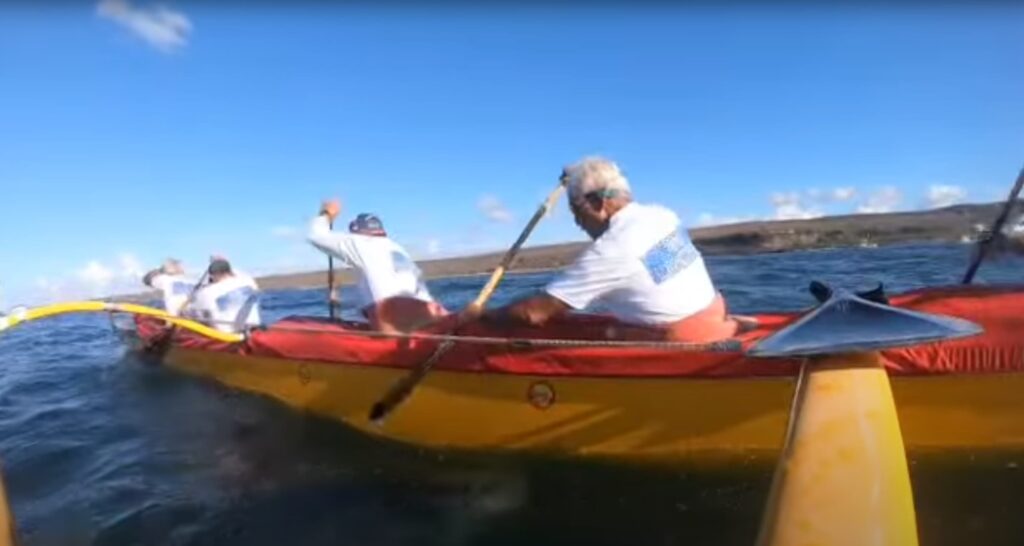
(179,288)
(234,299)
(669,256)
(402,263)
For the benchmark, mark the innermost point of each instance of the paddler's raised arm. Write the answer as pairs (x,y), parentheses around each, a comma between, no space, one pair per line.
(323,238)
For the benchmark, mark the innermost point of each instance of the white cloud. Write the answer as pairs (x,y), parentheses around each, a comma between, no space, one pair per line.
(885,199)
(825,197)
(790,206)
(780,199)
(841,195)
(95,275)
(43,290)
(787,205)
(284,232)
(493,209)
(428,248)
(130,267)
(706,219)
(940,195)
(161,27)
(97,278)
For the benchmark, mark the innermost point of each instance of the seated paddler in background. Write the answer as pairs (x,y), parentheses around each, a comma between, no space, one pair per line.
(390,287)
(640,268)
(229,301)
(175,287)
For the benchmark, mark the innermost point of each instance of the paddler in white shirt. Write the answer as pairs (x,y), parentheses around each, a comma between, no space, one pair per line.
(174,286)
(390,287)
(641,267)
(229,302)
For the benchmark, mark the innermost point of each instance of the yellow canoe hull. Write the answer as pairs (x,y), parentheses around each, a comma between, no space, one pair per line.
(703,421)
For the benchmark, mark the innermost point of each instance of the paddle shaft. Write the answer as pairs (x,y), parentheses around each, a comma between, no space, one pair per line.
(331,304)
(164,337)
(192,293)
(401,390)
(997,227)
(499,272)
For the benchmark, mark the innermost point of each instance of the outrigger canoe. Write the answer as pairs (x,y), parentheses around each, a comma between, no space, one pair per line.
(820,390)
(567,390)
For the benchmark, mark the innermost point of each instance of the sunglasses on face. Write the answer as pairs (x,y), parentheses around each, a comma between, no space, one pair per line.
(593,198)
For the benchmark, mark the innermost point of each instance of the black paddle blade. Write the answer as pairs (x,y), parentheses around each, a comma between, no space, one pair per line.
(847,323)
(822,293)
(876,295)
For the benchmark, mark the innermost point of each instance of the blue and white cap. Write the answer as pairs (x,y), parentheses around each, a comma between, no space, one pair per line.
(367,224)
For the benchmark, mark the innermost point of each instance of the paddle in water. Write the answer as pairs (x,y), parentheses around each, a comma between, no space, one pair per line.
(997,228)
(401,389)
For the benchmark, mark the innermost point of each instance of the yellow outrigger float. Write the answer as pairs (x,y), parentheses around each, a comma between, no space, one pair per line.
(7,531)
(20,315)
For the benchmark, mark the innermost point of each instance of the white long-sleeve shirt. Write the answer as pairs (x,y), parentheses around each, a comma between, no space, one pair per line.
(175,290)
(643,270)
(384,268)
(228,305)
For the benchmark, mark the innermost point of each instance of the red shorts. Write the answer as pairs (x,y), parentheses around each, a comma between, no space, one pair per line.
(402,314)
(713,323)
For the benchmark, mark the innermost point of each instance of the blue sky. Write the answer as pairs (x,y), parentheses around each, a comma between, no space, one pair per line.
(133,132)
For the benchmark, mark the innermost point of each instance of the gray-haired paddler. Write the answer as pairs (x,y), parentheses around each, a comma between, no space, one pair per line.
(641,267)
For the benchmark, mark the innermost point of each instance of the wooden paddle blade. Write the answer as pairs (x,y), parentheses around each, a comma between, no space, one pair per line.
(404,387)
(847,323)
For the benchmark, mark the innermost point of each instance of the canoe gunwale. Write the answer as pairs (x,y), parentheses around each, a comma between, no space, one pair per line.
(999,350)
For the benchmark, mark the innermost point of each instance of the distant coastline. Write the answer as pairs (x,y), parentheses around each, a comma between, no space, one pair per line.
(955,224)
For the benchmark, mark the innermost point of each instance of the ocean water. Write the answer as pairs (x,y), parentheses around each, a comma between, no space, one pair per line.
(101,448)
